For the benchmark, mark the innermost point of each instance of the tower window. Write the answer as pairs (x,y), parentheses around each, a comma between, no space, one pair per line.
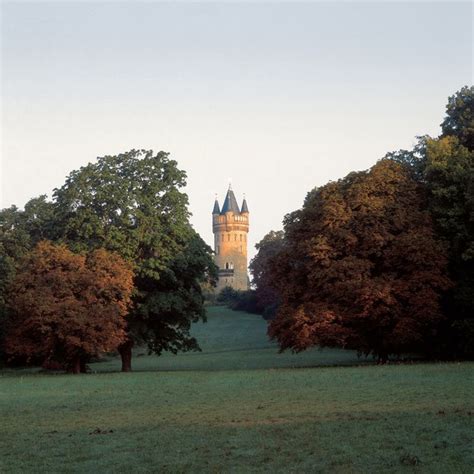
(222,237)
(241,237)
(228,237)
(227,266)
(218,250)
(235,237)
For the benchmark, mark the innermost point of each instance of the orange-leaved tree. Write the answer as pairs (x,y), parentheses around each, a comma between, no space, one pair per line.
(361,267)
(67,307)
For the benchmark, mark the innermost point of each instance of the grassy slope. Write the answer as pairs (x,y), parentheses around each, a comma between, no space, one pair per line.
(330,419)
(234,340)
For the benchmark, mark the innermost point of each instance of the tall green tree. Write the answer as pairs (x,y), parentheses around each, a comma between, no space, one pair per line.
(20,231)
(450,181)
(459,120)
(413,160)
(133,204)
(445,167)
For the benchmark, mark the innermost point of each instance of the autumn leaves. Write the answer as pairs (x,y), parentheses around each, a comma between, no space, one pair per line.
(361,267)
(66,307)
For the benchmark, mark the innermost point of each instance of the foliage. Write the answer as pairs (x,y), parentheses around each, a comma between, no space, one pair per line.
(132,204)
(459,120)
(67,307)
(20,231)
(450,183)
(445,166)
(238,300)
(14,243)
(361,267)
(450,180)
(226,296)
(247,301)
(414,160)
(261,269)
(167,305)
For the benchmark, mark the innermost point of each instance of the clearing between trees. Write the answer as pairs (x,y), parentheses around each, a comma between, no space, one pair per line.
(240,406)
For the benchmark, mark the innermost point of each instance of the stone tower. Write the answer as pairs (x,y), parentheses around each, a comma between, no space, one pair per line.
(230,226)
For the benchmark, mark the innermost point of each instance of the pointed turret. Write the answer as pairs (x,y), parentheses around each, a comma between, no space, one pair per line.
(230,203)
(244,208)
(216,209)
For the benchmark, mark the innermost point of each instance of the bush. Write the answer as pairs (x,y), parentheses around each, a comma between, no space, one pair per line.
(239,300)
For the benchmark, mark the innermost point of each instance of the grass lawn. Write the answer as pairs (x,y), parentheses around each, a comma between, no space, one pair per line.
(237,407)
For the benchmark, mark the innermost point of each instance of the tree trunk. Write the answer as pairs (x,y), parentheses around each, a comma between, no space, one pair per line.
(76,365)
(125,351)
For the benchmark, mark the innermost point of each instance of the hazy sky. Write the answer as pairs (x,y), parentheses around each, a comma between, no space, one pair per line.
(279,97)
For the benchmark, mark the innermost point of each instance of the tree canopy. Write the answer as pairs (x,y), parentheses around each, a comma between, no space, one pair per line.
(383,261)
(450,183)
(445,168)
(67,307)
(133,204)
(261,269)
(459,120)
(20,231)
(361,267)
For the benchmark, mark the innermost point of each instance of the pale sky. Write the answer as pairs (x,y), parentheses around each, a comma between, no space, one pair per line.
(280,97)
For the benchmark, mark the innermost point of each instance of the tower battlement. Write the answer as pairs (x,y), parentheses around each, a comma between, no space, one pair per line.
(230,227)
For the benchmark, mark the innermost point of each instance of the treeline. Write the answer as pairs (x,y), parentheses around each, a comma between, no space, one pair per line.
(381,261)
(109,262)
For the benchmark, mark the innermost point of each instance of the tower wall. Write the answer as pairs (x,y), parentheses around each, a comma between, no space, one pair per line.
(230,247)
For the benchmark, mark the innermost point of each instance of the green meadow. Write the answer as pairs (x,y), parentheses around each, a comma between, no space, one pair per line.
(240,406)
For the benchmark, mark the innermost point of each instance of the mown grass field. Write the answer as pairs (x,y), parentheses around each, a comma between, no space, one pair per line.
(239,406)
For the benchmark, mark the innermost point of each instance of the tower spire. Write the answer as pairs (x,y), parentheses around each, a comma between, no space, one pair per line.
(230,203)
(244,208)
(216,209)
